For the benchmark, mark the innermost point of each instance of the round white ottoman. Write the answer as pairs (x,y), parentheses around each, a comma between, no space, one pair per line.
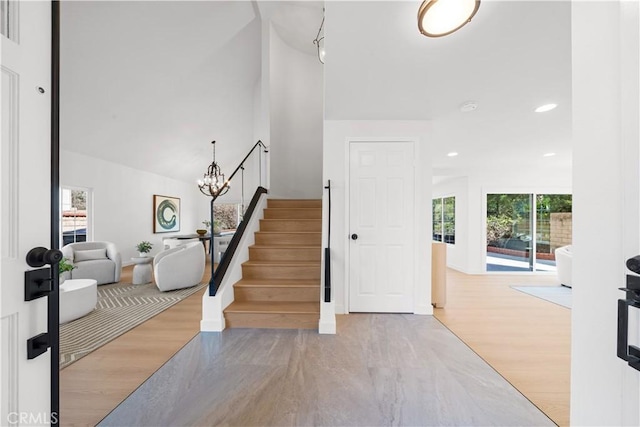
(78,297)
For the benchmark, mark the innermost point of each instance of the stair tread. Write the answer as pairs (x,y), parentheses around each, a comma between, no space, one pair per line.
(293,283)
(282,263)
(291,219)
(289,232)
(295,200)
(294,208)
(273,307)
(286,246)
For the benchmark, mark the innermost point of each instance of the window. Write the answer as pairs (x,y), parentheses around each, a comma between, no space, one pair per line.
(227,215)
(444,220)
(523,230)
(74,215)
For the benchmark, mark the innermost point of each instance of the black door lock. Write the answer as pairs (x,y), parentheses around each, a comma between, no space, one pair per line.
(37,257)
(626,352)
(354,236)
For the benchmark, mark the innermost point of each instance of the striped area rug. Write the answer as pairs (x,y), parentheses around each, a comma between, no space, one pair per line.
(120,307)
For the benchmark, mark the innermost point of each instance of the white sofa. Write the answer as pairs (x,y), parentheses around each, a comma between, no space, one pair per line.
(94,260)
(179,267)
(563,265)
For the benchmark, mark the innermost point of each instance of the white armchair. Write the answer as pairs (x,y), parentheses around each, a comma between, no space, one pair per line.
(564,260)
(94,260)
(180,267)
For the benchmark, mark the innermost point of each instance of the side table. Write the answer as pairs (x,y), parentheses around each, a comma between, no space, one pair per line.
(142,270)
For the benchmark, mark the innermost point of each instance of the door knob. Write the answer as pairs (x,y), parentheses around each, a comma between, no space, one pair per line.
(354,236)
(37,257)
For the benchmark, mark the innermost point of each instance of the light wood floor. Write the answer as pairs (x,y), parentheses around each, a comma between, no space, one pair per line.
(525,339)
(91,387)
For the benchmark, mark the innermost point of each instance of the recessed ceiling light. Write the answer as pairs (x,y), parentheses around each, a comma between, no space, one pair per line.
(468,106)
(549,154)
(452,154)
(546,107)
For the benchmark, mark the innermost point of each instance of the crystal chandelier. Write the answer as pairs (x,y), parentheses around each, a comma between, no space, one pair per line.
(213,183)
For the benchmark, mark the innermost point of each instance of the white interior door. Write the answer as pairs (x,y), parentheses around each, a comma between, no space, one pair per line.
(25,153)
(381,223)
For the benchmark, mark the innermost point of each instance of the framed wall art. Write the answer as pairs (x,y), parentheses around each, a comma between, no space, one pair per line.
(166,214)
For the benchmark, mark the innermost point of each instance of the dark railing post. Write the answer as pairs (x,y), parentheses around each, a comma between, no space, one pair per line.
(212,283)
(327,251)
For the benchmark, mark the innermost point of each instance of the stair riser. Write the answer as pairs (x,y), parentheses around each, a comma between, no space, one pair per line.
(266,293)
(311,203)
(284,254)
(290,225)
(272,320)
(280,272)
(303,239)
(313,213)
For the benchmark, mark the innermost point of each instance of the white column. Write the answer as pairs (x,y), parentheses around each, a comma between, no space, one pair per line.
(604,390)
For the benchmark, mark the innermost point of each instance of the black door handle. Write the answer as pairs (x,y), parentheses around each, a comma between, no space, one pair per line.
(354,236)
(37,257)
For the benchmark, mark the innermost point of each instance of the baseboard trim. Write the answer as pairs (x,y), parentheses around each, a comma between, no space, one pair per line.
(423,309)
(210,325)
(327,328)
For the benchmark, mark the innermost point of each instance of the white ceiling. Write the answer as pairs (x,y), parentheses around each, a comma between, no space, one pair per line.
(149,84)
(513,57)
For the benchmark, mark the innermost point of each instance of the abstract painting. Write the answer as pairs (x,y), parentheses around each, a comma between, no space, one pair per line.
(166,214)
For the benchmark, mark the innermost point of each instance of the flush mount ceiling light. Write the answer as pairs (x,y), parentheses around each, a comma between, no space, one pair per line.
(546,107)
(549,154)
(452,154)
(437,18)
(319,40)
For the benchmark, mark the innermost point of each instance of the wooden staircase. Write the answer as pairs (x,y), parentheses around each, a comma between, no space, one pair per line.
(280,286)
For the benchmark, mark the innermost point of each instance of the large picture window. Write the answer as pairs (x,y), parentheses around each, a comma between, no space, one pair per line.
(444,219)
(524,230)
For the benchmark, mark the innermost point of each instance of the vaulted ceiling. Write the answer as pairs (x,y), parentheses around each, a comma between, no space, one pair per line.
(150,84)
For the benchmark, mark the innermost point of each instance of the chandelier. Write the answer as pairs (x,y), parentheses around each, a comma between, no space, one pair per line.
(212,182)
(437,18)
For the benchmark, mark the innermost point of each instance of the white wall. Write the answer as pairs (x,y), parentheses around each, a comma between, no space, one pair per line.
(468,254)
(606,96)
(296,118)
(123,201)
(335,167)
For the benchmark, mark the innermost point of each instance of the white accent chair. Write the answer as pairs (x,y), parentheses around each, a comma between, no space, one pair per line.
(100,261)
(564,260)
(170,242)
(179,267)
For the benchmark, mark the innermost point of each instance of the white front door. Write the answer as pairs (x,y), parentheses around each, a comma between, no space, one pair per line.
(25,153)
(381,224)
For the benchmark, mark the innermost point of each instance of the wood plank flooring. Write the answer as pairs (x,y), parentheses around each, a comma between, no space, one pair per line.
(526,339)
(482,310)
(91,387)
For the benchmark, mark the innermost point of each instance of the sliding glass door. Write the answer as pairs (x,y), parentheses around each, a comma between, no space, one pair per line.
(523,230)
